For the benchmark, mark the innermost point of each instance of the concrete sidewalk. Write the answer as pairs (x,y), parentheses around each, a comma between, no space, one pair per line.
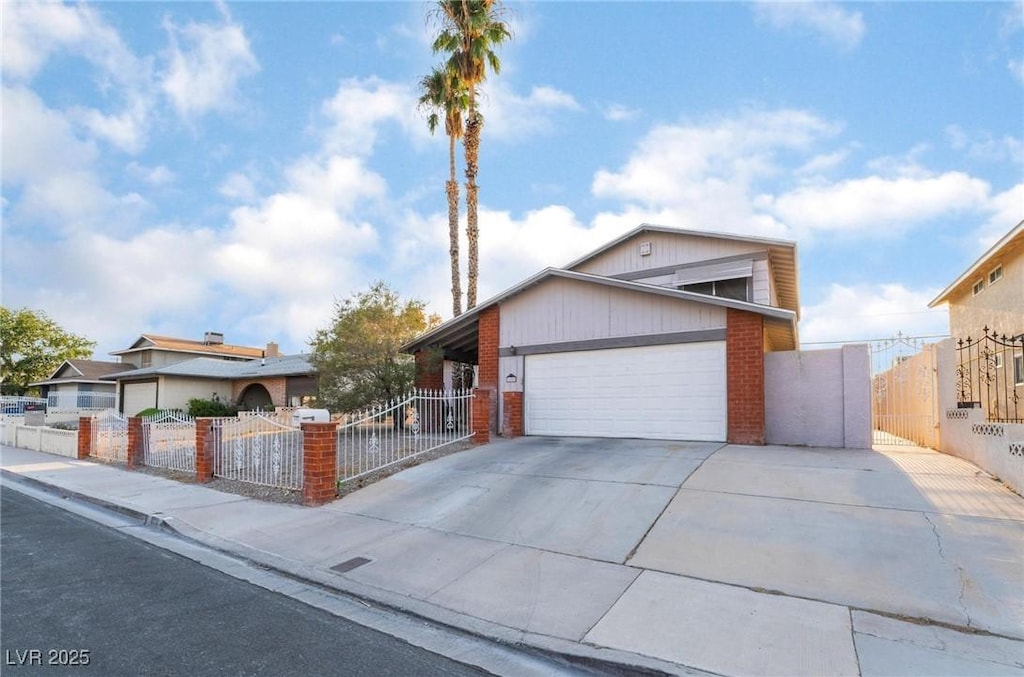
(677,557)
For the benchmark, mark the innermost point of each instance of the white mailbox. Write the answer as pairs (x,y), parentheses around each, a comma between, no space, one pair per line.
(300,416)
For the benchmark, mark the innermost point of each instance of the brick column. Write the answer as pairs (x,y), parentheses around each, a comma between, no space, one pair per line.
(319,463)
(134,442)
(480,415)
(84,437)
(429,370)
(204,450)
(487,347)
(744,358)
(512,425)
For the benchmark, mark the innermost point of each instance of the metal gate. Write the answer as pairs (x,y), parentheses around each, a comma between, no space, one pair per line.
(903,387)
(110,436)
(169,441)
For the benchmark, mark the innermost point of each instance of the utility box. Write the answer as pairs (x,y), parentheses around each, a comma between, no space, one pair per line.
(300,416)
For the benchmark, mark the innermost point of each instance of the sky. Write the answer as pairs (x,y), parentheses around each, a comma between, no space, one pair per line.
(177,168)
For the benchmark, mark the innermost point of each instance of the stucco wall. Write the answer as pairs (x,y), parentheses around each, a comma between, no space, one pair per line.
(997,448)
(818,397)
(1000,306)
(175,392)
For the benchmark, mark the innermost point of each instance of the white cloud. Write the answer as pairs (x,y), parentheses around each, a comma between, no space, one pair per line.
(205,65)
(872,311)
(981,145)
(154,176)
(876,205)
(1016,68)
(511,116)
(704,174)
(1006,210)
(830,21)
(238,186)
(617,112)
(358,109)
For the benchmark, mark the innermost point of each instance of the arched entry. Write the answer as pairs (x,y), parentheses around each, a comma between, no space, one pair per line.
(255,396)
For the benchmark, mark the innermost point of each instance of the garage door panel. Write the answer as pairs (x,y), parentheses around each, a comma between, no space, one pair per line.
(665,392)
(138,396)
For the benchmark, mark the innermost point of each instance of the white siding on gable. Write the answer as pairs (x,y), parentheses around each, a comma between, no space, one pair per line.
(762,284)
(568,310)
(667,249)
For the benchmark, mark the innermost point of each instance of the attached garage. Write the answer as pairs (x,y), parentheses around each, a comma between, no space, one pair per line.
(658,392)
(136,396)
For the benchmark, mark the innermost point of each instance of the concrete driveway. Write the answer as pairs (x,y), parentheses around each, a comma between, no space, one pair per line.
(614,539)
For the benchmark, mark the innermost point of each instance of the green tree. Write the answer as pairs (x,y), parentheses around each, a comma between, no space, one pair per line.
(32,346)
(469,32)
(357,357)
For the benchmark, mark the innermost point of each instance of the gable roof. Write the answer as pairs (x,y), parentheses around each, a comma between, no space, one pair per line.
(213,368)
(81,371)
(178,345)
(1012,241)
(459,334)
(782,255)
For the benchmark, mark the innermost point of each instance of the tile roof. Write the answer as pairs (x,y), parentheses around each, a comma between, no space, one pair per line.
(189,346)
(209,367)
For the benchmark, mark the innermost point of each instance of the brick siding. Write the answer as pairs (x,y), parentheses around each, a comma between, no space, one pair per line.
(512,405)
(744,356)
(319,463)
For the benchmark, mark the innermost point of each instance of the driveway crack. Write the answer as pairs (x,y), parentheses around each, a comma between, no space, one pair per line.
(960,573)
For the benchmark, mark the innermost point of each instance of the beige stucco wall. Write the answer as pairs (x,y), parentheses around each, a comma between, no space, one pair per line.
(176,391)
(1000,306)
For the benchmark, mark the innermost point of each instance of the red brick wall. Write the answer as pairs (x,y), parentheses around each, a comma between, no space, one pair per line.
(134,442)
(481,415)
(429,371)
(277,387)
(204,450)
(319,463)
(487,347)
(84,436)
(744,357)
(512,406)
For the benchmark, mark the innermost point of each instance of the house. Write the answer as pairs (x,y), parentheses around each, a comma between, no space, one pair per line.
(262,383)
(78,384)
(990,293)
(986,321)
(660,333)
(150,350)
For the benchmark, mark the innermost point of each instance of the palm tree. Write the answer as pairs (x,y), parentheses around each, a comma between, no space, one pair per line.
(470,30)
(444,94)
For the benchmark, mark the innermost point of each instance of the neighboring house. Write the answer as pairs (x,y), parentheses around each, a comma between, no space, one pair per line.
(78,384)
(986,321)
(262,383)
(990,293)
(658,334)
(150,350)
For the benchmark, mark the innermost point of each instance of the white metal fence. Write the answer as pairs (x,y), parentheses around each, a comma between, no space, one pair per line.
(80,400)
(14,405)
(258,450)
(169,441)
(376,438)
(110,436)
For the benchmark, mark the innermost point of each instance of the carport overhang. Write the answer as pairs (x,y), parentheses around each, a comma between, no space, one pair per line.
(458,338)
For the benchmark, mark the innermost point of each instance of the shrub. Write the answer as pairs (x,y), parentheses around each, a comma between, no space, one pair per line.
(64,425)
(210,408)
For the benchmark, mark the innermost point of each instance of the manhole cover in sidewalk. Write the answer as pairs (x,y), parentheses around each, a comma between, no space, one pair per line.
(350,564)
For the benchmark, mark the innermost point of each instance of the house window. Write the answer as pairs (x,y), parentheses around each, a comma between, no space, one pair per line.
(737,288)
(998,360)
(979,287)
(145,359)
(995,274)
(1018,370)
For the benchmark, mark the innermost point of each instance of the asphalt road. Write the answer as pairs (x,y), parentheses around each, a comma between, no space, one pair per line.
(79,598)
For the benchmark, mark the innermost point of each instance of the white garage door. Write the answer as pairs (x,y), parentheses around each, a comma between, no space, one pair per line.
(657,392)
(138,396)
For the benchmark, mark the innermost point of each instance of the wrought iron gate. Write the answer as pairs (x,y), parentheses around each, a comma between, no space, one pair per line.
(903,388)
